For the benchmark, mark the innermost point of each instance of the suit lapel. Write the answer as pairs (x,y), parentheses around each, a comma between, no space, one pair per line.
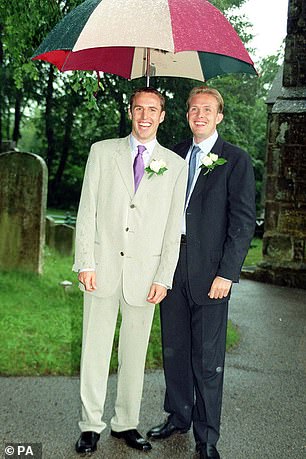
(125,166)
(203,180)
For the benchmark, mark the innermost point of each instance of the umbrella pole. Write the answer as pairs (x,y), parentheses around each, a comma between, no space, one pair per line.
(98,88)
(148,67)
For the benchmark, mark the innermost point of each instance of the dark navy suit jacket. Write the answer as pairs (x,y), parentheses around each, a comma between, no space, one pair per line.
(220,219)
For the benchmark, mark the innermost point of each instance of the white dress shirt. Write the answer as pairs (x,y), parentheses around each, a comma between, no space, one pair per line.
(146,154)
(205,146)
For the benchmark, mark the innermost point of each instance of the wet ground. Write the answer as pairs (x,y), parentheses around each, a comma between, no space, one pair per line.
(264,407)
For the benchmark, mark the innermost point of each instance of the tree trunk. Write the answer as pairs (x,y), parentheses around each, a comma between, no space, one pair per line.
(122,123)
(18,100)
(118,97)
(7,125)
(1,83)
(49,123)
(73,101)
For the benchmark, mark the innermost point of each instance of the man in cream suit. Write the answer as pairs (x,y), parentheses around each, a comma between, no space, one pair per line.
(127,244)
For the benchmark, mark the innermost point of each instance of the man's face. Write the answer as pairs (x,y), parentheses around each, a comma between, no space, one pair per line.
(146,115)
(203,116)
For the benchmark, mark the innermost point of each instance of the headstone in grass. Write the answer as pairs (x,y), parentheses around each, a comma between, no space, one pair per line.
(61,238)
(50,222)
(23,198)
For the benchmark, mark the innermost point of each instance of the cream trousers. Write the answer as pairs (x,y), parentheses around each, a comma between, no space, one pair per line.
(99,323)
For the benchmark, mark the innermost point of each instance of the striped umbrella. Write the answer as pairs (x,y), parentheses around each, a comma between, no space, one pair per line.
(133,38)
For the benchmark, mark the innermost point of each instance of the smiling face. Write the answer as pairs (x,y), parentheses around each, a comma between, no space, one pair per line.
(203,116)
(146,114)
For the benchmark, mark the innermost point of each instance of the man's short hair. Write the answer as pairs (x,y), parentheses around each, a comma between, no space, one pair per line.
(148,91)
(207,90)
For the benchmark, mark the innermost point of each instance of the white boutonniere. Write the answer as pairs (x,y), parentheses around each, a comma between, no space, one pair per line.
(210,161)
(156,167)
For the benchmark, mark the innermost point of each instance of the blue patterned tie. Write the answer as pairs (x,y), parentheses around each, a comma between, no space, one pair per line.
(192,167)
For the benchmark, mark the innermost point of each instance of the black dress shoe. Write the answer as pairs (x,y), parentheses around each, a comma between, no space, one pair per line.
(164,430)
(87,443)
(207,451)
(133,439)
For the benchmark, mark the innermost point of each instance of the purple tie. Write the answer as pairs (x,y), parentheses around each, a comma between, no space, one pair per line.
(138,166)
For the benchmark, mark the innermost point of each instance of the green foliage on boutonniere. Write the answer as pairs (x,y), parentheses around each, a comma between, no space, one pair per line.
(210,161)
(156,167)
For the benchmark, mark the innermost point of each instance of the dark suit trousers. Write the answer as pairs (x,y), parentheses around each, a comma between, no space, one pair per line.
(193,339)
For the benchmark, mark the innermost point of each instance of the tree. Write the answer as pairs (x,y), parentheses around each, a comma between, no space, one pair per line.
(58,117)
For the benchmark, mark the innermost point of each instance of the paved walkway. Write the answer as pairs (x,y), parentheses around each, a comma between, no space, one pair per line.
(264,409)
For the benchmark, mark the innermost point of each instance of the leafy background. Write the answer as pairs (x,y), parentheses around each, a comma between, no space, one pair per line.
(56,116)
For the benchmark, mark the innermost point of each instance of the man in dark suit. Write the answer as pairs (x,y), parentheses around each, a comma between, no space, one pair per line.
(217,229)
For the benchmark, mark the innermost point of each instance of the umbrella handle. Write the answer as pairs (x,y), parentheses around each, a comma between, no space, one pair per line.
(148,67)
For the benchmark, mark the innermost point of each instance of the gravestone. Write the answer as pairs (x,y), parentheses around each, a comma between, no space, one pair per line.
(23,199)
(60,237)
(50,223)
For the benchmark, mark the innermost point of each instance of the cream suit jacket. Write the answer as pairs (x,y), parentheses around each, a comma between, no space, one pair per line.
(119,232)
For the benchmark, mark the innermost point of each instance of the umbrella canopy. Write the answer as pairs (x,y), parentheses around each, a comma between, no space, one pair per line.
(133,38)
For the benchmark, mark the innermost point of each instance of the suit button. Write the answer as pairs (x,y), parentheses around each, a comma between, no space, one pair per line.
(126,229)
(132,206)
(122,254)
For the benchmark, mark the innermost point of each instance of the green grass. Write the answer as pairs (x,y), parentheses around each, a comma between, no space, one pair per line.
(254,255)
(40,323)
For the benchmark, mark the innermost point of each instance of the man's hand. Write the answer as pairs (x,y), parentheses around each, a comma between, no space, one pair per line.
(157,294)
(219,288)
(88,279)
